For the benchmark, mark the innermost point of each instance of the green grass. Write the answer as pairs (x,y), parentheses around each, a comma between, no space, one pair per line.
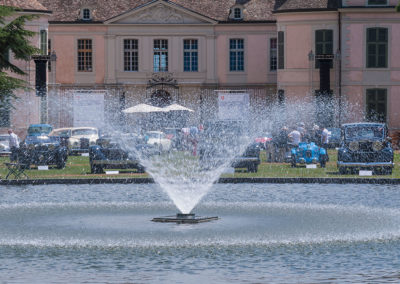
(78,167)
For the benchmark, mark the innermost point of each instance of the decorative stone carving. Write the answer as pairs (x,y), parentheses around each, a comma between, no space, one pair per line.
(160,14)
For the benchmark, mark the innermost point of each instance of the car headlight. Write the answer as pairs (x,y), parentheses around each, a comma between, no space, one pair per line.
(377,146)
(354,146)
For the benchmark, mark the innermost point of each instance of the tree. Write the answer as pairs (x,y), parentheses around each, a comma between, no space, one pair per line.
(13,39)
(398,7)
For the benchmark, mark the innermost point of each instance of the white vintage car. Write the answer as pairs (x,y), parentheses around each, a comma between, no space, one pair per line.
(4,145)
(158,139)
(79,138)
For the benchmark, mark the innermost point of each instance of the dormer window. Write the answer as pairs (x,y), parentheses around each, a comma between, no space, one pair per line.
(237,13)
(86,15)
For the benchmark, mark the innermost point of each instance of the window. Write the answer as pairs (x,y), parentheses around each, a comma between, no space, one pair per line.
(85,55)
(237,13)
(131,55)
(190,55)
(236,55)
(5,113)
(376,105)
(273,60)
(377,47)
(377,2)
(160,57)
(281,50)
(323,44)
(86,14)
(43,42)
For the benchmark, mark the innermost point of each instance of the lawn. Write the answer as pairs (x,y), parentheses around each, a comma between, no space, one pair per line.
(78,167)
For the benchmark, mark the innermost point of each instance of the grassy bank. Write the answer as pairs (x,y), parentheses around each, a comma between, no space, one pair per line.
(78,167)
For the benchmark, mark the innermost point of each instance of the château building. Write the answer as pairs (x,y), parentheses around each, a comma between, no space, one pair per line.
(127,52)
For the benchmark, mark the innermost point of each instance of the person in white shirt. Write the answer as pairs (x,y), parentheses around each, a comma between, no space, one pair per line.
(324,138)
(14,145)
(295,137)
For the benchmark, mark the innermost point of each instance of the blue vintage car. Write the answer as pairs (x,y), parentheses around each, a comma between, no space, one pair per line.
(308,153)
(365,146)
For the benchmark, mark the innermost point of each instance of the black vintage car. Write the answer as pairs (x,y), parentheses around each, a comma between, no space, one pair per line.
(122,153)
(42,150)
(222,142)
(365,146)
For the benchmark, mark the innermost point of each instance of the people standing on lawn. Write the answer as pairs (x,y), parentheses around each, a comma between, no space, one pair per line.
(324,138)
(282,144)
(295,137)
(13,141)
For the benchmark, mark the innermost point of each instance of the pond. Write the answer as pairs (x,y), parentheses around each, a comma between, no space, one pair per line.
(286,233)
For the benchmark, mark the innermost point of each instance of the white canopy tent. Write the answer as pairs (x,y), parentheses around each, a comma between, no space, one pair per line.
(175,107)
(143,108)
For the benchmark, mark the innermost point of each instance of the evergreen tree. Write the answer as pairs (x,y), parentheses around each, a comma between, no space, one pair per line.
(14,39)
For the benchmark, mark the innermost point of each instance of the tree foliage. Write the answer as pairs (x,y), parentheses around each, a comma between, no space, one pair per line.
(14,39)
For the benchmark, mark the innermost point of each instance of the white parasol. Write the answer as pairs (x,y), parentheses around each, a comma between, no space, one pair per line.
(143,108)
(174,107)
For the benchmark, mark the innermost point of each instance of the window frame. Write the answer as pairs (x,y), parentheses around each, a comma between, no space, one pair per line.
(130,55)
(43,42)
(191,55)
(377,44)
(160,51)
(369,116)
(325,43)
(87,55)
(236,53)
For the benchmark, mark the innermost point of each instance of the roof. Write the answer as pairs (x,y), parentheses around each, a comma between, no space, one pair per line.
(102,10)
(306,5)
(24,4)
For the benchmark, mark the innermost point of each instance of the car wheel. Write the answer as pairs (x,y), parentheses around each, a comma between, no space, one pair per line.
(96,169)
(342,170)
(387,170)
(61,164)
(293,162)
(252,168)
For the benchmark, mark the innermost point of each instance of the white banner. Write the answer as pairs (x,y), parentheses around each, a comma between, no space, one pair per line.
(89,109)
(233,106)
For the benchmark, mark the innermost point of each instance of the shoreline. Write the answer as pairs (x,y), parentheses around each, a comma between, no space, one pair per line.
(224,180)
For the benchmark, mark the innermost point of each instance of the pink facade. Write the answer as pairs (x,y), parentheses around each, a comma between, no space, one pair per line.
(308,32)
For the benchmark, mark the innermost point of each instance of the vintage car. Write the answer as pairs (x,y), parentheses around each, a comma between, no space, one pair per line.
(78,138)
(221,143)
(308,153)
(365,146)
(158,139)
(4,145)
(39,129)
(334,137)
(42,150)
(108,153)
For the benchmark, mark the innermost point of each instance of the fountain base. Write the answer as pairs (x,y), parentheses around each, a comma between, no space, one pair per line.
(181,218)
